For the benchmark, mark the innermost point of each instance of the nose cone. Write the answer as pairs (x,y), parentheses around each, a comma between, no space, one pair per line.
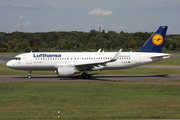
(9,64)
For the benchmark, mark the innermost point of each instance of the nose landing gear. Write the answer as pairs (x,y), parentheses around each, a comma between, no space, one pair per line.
(29,76)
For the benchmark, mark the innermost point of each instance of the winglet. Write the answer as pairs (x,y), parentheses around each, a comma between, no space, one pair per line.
(99,50)
(116,56)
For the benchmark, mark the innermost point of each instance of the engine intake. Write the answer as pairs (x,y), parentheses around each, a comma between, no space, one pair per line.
(65,71)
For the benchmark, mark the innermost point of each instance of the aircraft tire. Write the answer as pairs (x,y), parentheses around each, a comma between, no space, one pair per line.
(87,76)
(84,75)
(29,76)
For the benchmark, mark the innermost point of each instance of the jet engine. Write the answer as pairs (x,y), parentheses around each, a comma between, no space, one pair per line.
(65,71)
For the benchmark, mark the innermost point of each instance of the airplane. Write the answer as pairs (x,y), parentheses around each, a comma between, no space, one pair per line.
(66,64)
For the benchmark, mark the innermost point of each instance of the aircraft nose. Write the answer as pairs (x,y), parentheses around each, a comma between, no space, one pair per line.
(9,64)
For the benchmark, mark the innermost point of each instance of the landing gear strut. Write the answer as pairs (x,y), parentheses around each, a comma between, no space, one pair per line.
(85,75)
(29,76)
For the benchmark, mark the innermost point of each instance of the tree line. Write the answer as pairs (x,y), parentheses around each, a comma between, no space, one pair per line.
(80,41)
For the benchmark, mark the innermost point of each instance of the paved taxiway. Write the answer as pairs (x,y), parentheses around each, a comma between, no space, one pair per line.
(5,58)
(95,77)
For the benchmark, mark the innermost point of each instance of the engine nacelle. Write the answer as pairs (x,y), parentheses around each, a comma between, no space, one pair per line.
(65,71)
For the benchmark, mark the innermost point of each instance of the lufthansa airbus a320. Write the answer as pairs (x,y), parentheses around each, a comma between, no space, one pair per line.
(66,64)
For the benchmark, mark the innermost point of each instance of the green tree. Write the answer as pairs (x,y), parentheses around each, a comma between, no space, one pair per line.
(11,44)
(171,47)
(3,45)
(62,44)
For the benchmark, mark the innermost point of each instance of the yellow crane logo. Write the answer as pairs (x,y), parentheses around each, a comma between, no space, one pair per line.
(157,39)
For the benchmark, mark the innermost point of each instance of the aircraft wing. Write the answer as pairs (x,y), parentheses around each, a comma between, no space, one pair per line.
(90,65)
(96,65)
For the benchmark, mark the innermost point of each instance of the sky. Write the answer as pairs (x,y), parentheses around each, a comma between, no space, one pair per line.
(85,15)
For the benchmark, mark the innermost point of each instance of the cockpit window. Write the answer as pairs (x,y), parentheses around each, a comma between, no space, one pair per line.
(17,58)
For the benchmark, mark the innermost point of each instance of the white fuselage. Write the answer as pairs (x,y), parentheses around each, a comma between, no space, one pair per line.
(52,60)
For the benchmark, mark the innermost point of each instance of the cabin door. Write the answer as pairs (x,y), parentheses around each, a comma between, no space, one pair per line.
(29,58)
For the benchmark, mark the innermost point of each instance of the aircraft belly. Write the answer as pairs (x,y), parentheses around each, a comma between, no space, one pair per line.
(32,67)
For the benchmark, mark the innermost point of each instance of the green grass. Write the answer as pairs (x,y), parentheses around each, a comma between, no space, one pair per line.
(174,53)
(10,53)
(90,100)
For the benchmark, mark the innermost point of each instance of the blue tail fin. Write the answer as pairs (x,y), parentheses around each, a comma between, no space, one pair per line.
(156,41)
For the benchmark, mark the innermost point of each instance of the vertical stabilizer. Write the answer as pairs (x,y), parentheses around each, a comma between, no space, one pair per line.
(156,41)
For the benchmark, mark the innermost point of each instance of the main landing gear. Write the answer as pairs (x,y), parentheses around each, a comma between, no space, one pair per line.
(85,75)
(29,76)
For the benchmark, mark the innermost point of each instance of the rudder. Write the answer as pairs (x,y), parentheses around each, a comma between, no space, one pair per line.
(156,41)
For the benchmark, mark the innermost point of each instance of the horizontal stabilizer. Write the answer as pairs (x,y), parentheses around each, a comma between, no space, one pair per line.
(161,56)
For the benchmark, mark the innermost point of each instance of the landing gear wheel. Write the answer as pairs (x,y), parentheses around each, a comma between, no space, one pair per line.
(86,76)
(83,75)
(29,76)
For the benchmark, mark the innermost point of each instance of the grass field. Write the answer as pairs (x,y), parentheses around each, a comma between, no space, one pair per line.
(10,53)
(90,100)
